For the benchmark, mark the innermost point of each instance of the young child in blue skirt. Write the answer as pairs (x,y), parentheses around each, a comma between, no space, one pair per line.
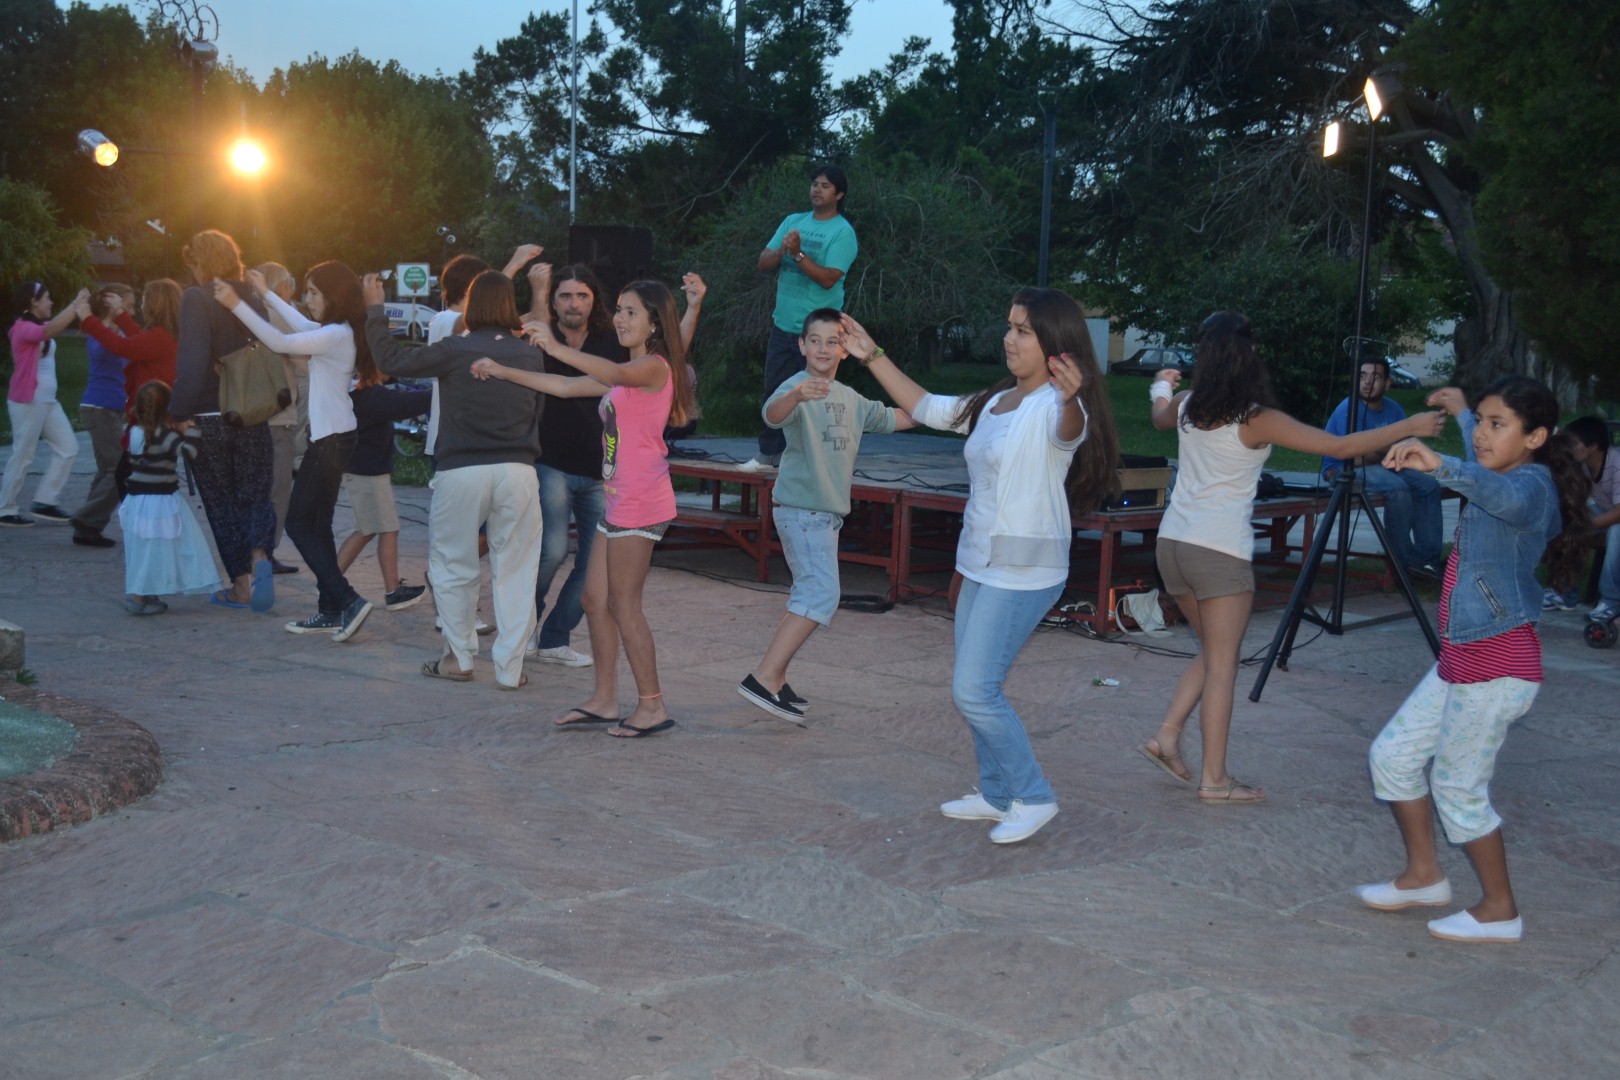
(165,551)
(823,421)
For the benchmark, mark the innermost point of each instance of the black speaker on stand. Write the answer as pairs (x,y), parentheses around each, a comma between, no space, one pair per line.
(618,254)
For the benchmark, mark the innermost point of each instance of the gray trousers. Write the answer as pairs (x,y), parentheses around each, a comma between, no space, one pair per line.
(106,428)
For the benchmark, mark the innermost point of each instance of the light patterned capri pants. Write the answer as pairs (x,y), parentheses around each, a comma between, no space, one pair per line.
(1461,726)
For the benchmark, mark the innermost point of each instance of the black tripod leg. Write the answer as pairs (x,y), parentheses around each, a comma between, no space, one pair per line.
(1401,576)
(1282,642)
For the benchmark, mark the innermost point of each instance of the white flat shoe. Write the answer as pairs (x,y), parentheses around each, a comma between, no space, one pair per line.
(1386,897)
(1464,927)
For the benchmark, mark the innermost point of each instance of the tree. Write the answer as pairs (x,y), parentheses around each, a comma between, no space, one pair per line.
(1218,105)
(1549,201)
(36,246)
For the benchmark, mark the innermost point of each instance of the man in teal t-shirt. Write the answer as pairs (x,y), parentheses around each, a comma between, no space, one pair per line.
(810,253)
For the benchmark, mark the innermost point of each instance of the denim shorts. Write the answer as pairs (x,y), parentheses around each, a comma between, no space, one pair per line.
(810,542)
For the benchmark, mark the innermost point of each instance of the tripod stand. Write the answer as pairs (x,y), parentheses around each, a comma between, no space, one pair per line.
(1348,494)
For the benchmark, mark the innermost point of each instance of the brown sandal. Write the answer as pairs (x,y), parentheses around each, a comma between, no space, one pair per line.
(1230,793)
(1155,753)
(433,671)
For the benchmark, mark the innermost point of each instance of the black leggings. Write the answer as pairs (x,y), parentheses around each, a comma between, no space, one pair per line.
(309,516)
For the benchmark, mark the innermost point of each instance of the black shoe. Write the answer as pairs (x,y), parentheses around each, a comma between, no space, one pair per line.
(16,521)
(751,689)
(1426,570)
(322,622)
(279,567)
(91,538)
(352,617)
(789,696)
(54,514)
(404,596)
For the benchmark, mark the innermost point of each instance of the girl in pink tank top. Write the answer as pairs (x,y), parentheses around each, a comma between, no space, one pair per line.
(640,397)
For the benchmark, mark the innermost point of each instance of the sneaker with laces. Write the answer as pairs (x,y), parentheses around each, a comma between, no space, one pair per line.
(753,690)
(1605,611)
(404,596)
(322,622)
(973,807)
(1553,600)
(1022,821)
(53,514)
(564,655)
(352,617)
(16,521)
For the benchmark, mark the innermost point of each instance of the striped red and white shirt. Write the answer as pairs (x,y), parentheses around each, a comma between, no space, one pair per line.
(1515,654)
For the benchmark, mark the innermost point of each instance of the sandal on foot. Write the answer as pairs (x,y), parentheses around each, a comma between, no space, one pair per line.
(523,680)
(433,671)
(1154,753)
(585,717)
(630,731)
(1230,793)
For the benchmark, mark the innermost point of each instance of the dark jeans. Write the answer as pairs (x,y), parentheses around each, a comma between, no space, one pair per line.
(309,516)
(233,471)
(783,360)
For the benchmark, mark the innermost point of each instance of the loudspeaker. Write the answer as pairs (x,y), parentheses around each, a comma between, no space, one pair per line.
(618,254)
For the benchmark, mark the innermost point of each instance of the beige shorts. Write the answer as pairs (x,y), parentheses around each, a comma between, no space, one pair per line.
(372,499)
(1202,572)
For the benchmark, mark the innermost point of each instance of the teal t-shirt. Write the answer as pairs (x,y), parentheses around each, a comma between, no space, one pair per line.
(829,243)
(823,438)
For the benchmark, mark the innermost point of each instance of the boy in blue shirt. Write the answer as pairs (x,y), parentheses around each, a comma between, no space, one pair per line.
(822,420)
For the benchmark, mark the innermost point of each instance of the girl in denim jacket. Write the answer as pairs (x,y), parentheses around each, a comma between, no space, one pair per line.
(1526,494)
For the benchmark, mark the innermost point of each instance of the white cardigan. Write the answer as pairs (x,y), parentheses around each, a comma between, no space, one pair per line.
(1030,525)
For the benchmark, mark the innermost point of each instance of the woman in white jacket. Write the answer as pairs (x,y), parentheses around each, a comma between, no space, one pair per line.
(330,342)
(1024,475)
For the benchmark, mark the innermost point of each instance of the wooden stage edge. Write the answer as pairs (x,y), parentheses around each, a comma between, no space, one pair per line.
(908,529)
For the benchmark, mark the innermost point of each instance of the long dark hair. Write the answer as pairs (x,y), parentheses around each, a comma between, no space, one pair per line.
(345,305)
(1060,327)
(1229,380)
(1536,407)
(601,320)
(666,342)
(23,297)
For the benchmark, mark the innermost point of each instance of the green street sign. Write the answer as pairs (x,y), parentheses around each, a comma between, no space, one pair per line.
(412,278)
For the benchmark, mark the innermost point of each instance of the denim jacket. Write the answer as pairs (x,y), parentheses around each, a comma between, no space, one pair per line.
(1500,537)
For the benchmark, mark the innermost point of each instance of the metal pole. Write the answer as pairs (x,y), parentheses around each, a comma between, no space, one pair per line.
(1046,191)
(573,127)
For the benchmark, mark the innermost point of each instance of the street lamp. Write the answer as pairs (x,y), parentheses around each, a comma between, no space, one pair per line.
(102,150)
(247,157)
(1380,90)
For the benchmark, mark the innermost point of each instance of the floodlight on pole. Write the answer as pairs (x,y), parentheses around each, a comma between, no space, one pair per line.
(102,150)
(1330,139)
(247,157)
(1381,88)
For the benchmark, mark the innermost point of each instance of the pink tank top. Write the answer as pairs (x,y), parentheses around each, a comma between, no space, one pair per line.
(635,472)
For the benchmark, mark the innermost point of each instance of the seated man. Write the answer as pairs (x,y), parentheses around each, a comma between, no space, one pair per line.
(1602,461)
(1411,498)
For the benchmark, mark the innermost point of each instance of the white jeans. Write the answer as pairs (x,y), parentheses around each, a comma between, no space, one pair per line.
(505,499)
(1461,726)
(31,424)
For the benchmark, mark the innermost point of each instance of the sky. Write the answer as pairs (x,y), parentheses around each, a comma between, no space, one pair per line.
(441,36)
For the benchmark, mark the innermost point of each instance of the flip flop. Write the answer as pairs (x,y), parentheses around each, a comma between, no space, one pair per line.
(1231,793)
(432,670)
(264,587)
(585,717)
(641,732)
(523,680)
(223,599)
(1163,760)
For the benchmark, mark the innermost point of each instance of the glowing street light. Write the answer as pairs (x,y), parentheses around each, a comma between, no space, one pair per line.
(248,157)
(1330,139)
(102,150)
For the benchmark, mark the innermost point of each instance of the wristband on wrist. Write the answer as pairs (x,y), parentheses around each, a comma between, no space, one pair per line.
(1161,388)
(877,352)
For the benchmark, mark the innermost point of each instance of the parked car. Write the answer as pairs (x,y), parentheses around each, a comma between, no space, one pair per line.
(1154,358)
(408,320)
(1399,376)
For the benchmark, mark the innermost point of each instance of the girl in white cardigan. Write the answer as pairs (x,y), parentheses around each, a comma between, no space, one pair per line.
(331,342)
(1024,474)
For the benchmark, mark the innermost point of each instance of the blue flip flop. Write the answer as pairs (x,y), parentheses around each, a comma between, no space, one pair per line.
(264,586)
(223,600)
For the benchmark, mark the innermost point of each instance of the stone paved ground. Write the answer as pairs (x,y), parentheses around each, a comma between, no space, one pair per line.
(351,871)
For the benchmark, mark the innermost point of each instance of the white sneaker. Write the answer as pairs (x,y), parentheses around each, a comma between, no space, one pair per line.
(482,628)
(1022,821)
(1464,927)
(1386,896)
(563,655)
(974,807)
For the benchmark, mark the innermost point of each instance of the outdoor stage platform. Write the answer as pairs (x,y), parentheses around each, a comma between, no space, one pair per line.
(906,512)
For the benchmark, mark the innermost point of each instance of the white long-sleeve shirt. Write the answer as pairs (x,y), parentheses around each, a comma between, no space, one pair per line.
(330,349)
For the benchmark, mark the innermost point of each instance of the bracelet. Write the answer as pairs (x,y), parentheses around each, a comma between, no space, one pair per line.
(877,352)
(1161,388)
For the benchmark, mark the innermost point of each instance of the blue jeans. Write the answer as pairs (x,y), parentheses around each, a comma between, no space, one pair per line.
(810,545)
(992,626)
(783,360)
(1411,513)
(1609,578)
(560,494)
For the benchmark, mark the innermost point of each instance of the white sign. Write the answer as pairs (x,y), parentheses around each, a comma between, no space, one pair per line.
(412,279)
